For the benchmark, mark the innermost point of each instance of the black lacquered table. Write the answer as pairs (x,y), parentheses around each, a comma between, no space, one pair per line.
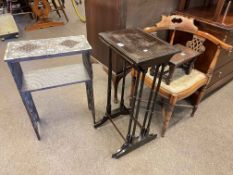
(141,51)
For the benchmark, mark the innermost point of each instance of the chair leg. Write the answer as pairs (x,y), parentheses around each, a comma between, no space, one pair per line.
(162,106)
(56,8)
(90,99)
(168,114)
(62,9)
(116,81)
(198,100)
(133,83)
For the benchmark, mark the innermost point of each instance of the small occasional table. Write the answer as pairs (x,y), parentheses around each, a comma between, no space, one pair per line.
(141,51)
(42,79)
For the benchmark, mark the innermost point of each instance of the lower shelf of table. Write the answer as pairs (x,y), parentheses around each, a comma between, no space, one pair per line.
(54,77)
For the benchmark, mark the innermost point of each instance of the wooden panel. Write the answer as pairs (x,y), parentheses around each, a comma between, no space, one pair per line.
(220,83)
(54,77)
(224,56)
(144,13)
(222,72)
(102,16)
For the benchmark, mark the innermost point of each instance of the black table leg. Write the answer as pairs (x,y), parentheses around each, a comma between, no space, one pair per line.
(133,142)
(132,105)
(156,91)
(139,103)
(122,110)
(143,130)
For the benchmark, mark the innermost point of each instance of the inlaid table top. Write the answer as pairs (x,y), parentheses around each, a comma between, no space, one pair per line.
(45,48)
(139,47)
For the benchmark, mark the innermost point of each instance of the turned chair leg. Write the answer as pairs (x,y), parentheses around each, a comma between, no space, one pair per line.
(116,81)
(163,112)
(132,88)
(168,114)
(90,99)
(198,100)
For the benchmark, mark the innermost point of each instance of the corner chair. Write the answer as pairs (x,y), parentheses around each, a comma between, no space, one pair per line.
(184,85)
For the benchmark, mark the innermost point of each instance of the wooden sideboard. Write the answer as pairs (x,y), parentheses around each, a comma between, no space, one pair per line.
(108,15)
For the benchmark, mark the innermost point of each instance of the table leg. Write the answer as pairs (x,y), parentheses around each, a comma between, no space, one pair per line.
(108,107)
(143,130)
(90,98)
(156,91)
(26,97)
(31,110)
(132,105)
(89,84)
(122,110)
(139,102)
(133,142)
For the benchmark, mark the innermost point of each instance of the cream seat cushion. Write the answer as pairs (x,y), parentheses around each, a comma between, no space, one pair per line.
(182,81)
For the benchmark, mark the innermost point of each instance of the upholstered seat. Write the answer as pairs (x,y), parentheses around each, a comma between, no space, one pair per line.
(181,82)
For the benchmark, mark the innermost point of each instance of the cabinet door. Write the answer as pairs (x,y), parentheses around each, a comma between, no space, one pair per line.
(221,76)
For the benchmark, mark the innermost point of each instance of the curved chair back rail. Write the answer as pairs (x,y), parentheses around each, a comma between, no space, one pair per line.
(180,23)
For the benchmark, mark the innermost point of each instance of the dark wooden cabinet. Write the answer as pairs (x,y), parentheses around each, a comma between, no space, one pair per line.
(109,15)
(215,17)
